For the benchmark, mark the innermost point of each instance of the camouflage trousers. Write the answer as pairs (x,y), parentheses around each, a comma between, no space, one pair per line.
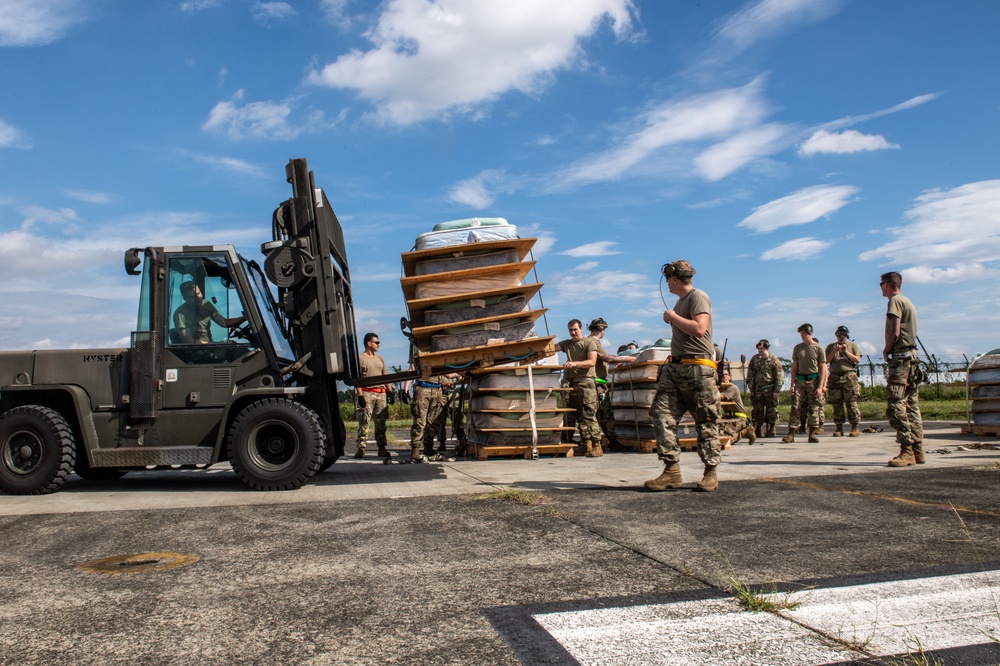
(583,398)
(376,409)
(806,405)
(842,392)
(605,413)
(426,407)
(732,426)
(452,408)
(765,407)
(903,400)
(684,388)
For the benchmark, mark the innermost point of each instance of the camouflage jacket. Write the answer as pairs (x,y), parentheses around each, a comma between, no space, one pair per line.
(765,373)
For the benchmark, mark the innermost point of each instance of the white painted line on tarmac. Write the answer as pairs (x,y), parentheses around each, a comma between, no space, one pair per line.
(885,619)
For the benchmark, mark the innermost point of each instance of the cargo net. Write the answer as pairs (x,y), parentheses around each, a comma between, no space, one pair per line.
(144,375)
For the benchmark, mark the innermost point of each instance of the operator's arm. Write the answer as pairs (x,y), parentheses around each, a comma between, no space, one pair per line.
(696,328)
(891,336)
(228,323)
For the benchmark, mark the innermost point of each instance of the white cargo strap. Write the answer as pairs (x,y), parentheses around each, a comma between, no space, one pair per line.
(531,414)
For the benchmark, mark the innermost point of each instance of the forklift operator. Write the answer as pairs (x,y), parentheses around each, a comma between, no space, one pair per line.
(194,317)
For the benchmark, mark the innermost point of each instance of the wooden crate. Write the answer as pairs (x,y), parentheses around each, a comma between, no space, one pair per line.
(454,360)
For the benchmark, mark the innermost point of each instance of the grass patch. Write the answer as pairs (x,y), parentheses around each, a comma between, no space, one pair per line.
(515,495)
(764,599)
(992,467)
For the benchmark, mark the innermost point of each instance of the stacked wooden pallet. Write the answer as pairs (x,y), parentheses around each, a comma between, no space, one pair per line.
(515,412)
(984,382)
(467,300)
(633,387)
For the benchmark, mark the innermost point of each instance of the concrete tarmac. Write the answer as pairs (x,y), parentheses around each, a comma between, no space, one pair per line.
(415,564)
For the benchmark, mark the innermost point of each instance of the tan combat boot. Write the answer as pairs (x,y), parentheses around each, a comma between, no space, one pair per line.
(669,479)
(838,430)
(854,431)
(360,453)
(905,457)
(709,482)
(415,456)
(594,449)
(790,437)
(918,453)
(770,431)
(814,435)
(383,452)
(751,434)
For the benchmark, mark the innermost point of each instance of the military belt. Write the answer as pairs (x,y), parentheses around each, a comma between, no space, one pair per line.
(600,381)
(694,360)
(427,385)
(807,377)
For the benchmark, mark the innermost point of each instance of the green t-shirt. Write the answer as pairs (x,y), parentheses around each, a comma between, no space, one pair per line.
(681,344)
(196,320)
(579,350)
(840,362)
(809,356)
(901,307)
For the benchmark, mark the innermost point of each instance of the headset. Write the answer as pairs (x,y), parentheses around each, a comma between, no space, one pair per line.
(671,270)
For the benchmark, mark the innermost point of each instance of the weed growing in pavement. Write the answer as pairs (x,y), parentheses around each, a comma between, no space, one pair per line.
(515,495)
(992,467)
(982,565)
(915,657)
(764,599)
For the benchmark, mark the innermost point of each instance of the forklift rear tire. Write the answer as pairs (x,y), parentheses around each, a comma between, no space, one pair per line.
(37,450)
(276,444)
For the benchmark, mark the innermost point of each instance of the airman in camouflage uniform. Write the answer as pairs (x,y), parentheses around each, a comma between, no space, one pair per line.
(371,400)
(578,374)
(736,423)
(843,357)
(605,412)
(426,405)
(764,379)
(687,383)
(809,378)
(904,374)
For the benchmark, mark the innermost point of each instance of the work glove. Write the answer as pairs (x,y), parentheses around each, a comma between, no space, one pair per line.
(361,400)
(390,397)
(405,397)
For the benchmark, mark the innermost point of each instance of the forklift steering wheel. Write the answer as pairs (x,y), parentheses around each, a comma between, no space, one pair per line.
(240,331)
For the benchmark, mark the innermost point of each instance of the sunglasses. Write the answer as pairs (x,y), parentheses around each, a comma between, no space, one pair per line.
(375,342)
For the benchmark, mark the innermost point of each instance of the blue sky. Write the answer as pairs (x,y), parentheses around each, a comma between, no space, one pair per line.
(791,150)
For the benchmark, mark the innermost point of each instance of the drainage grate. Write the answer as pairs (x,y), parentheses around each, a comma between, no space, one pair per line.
(137,563)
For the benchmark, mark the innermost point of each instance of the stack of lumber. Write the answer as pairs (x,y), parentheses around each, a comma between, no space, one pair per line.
(633,387)
(515,412)
(467,301)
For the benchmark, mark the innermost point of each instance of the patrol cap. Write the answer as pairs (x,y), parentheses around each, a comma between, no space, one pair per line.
(843,329)
(598,325)
(805,328)
(763,343)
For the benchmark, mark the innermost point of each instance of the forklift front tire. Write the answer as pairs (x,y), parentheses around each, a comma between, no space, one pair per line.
(276,444)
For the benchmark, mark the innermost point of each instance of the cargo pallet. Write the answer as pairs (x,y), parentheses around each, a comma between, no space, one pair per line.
(980,429)
(483,452)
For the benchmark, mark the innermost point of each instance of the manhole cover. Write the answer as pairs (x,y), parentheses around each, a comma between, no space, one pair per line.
(137,563)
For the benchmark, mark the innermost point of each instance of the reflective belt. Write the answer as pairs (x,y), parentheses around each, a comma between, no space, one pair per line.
(741,415)
(700,361)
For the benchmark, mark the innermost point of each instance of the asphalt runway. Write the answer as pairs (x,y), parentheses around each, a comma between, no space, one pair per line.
(416,564)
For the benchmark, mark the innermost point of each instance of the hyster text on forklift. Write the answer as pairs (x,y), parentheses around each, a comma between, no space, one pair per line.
(219,368)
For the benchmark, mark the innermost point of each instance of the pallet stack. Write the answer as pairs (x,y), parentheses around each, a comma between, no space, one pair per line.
(504,422)
(984,382)
(633,387)
(467,301)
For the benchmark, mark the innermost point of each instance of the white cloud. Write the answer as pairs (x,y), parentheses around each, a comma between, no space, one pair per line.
(850,141)
(951,275)
(957,228)
(12,137)
(432,58)
(481,191)
(223,163)
(37,22)
(598,249)
(36,214)
(600,285)
(716,116)
(801,207)
(266,12)
(902,106)
(727,156)
(191,6)
(798,249)
(257,120)
(90,197)
(765,19)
